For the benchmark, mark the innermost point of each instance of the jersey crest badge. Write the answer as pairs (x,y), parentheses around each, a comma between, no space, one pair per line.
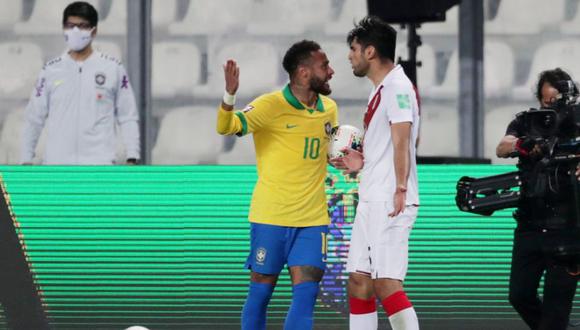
(261,255)
(328,128)
(100,79)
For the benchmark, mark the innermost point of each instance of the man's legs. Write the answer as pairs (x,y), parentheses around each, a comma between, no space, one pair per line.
(266,259)
(305,285)
(527,267)
(361,299)
(559,290)
(362,302)
(399,309)
(259,294)
(307,262)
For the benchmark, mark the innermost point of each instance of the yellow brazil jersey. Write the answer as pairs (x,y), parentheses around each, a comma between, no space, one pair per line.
(291,143)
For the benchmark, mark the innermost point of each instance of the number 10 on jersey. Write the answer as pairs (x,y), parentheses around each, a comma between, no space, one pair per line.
(311,148)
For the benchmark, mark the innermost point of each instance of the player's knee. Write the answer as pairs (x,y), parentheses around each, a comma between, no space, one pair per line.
(386,287)
(360,286)
(302,274)
(264,278)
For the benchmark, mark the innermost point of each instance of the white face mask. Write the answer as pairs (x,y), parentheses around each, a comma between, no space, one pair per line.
(77,39)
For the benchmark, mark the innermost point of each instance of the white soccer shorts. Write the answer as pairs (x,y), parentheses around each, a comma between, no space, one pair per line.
(379,244)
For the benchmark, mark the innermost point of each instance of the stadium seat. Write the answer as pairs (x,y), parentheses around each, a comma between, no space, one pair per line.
(351,12)
(259,66)
(109,48)
(352,114)
(20,64)
(562,53)
(187,135)
(449,27)
(525,16)
(163,12)
(499,71)
(344,84)
(243,152)
(298,16)
(439,132)
(46,17)
(426,73)
(212,17)
(496,123)
(176,68)
(11,139)
(571,27)
(11,13)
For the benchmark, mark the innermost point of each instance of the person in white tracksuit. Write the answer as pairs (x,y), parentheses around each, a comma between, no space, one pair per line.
(80,96)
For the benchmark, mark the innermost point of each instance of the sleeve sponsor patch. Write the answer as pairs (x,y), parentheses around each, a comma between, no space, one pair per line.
(403,101)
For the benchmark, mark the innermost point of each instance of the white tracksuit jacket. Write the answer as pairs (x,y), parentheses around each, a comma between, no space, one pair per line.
(80,104)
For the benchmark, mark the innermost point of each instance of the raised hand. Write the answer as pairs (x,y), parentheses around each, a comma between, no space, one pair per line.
(232,76)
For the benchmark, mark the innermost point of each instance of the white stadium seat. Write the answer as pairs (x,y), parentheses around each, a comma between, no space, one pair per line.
(20,64)
(496,123)
(176,68)
(11,13)
(282,17)
(188,136)
(344,84)
(163,12)
(259,64)
(439,131)
(499,71)
(426,73)
(562,53)
(352,114)
(212,17)
(46,17)
(11,139)
(243,152)
(525,16)
(352,11)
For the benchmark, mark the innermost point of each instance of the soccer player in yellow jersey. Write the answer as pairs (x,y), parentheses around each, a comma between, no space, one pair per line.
(288,215)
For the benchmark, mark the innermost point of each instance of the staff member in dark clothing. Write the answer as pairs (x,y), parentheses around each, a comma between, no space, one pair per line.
(538,231)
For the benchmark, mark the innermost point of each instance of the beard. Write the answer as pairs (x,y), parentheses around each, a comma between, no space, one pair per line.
(320,86)
(361,70)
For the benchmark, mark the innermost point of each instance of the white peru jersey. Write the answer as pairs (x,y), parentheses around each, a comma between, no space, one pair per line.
(80,103)
(397,103)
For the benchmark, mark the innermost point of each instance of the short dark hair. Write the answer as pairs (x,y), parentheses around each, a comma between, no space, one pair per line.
(553,77)
(372,31)
(298,54)
(81,9)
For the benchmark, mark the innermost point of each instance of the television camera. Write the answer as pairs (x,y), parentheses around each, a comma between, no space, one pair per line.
(547,176)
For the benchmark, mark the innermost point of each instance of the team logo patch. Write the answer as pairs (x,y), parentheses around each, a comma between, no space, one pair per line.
(403,101)
(100,79)
(260,256)
(328,128)
(249,107)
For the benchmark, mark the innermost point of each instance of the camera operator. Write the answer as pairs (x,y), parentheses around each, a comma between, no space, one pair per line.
(534,236)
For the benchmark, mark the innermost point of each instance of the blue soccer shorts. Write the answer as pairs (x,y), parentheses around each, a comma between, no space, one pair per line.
(271,247)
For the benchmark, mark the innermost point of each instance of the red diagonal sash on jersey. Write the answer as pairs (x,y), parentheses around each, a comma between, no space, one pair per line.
(372,107)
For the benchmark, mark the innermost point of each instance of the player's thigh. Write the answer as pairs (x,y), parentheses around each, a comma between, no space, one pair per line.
(390,244)
(307,254)
(267,249)
(358,252)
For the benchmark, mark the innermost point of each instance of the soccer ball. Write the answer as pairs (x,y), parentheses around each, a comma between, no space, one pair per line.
(345,136)
(136,327)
